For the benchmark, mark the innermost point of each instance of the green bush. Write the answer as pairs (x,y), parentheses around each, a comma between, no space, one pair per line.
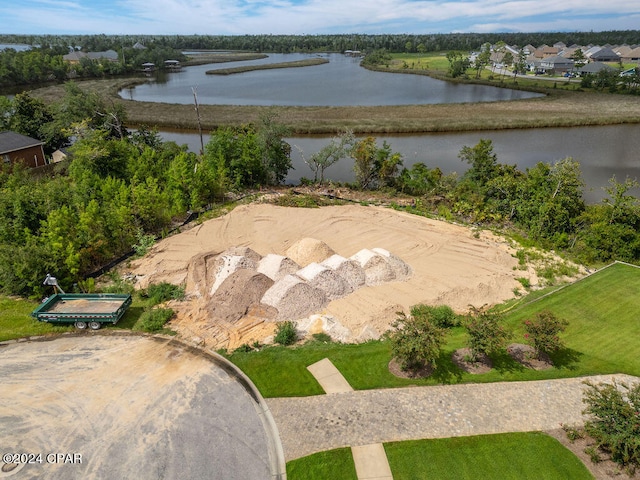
(161,292)
(441,316)
(486,335)
(416,341)
(153,320)
(542,332)
(615,420)
(285,333)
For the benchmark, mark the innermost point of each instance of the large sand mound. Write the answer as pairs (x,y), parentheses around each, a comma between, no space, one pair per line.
(447,262)
(309,250)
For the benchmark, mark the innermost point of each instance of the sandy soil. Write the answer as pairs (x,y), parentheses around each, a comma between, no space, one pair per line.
(449,264)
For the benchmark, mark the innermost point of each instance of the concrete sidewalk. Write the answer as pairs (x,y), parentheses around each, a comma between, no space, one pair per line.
(370,460)
(323,422)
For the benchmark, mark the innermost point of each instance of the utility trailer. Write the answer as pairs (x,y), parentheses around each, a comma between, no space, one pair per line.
(83,309)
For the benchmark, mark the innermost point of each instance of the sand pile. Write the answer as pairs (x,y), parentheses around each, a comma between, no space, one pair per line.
(239,292)
(228,263)
(327,280)
(350,270)
(239,282)
(200,271)
(308,250)
(277,266)
(377,268)
(294,298)
(400,269)
(450,264)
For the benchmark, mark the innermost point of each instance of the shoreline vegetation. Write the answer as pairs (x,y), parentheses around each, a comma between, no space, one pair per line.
(558,108)
(249,68)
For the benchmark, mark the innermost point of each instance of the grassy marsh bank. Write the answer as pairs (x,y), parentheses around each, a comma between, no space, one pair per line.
(558,108)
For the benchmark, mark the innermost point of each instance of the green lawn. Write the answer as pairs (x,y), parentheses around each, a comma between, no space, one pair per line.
(16,322)
(517,456)
(602,337)
(333,464)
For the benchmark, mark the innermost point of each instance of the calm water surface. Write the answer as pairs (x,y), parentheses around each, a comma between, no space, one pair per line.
(341,82)
(601,151)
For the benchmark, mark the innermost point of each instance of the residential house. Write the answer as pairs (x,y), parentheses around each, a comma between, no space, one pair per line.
(17,148)
(605,54)
(555,64)
(76,56)
(632,55)
(110,55)
(594,67)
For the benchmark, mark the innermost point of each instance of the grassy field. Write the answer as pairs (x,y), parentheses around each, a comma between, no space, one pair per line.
(517,456)
(602,337)
(557,109)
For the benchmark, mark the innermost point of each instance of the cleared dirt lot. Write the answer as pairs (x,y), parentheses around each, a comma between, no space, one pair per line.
(131,407)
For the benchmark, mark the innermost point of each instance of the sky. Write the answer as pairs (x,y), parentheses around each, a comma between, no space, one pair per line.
(297,17)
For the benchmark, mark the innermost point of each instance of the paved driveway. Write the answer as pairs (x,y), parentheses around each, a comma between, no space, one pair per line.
(126,407)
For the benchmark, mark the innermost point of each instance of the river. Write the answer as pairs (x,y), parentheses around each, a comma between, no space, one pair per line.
(601,151)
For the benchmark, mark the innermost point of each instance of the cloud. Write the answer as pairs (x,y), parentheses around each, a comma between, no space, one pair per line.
(225,17)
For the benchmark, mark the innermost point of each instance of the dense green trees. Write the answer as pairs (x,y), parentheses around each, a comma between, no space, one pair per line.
(117,188)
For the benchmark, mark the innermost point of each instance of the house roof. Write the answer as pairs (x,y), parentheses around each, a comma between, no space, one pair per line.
(604,53)
(108,54)
(595,67)
(74,56)
(12,141)
(633,54)
(556,60)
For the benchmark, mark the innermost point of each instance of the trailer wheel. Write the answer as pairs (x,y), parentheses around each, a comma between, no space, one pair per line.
(94,325)
(81,325)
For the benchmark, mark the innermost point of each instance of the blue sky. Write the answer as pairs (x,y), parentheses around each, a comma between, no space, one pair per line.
(236,17)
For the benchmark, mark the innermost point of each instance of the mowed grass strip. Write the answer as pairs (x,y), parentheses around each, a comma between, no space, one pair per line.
(333,464)
(517,456)
(602,338)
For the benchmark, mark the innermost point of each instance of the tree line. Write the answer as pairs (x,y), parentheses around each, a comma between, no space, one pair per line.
(332,42)
(44,62)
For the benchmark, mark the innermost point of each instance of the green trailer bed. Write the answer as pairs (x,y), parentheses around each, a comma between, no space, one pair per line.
(83,309)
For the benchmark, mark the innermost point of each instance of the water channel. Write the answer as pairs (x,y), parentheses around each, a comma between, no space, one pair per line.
(601,151)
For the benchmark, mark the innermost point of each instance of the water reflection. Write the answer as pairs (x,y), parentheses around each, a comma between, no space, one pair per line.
(341,82)
(601,151)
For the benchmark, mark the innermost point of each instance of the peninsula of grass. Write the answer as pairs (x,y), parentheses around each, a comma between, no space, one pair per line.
(268,66)
(518,456)
(602,338)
